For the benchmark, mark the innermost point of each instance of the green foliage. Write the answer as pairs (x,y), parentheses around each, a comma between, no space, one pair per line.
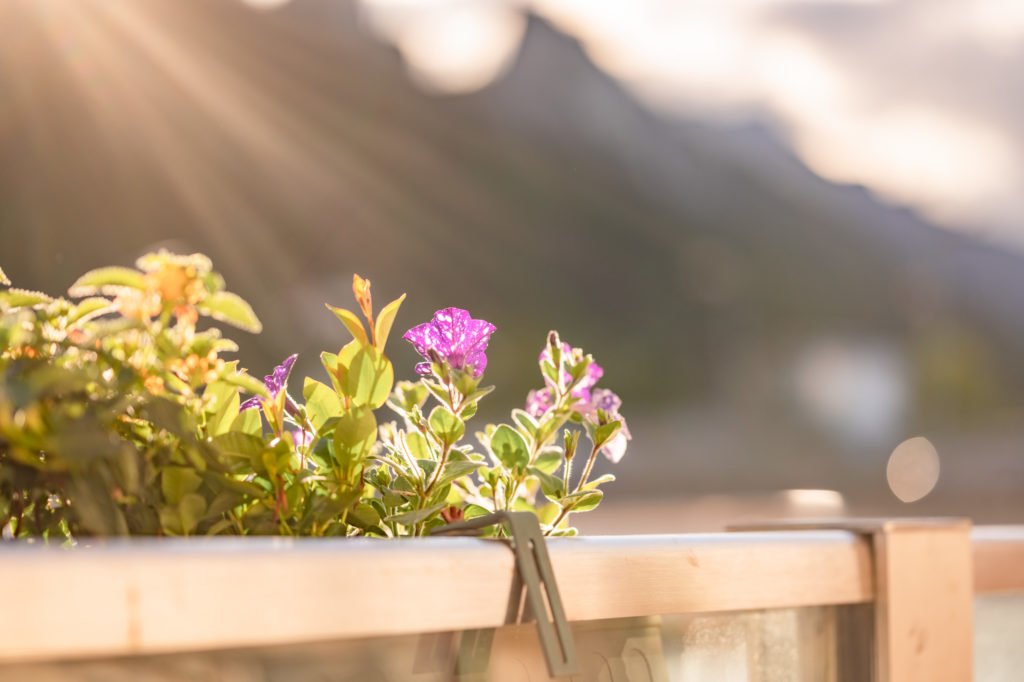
(224,306)
(119,416)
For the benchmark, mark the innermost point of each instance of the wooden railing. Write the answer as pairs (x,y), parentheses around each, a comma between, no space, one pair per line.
(161,596)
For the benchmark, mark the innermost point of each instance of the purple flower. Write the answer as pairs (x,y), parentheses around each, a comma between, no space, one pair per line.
(455,337)
(539,402)
(615,449)
(606,401)
(302,437)
(275,382)
(581,390)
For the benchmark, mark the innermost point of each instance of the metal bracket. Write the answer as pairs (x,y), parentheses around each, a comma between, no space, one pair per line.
(534,570)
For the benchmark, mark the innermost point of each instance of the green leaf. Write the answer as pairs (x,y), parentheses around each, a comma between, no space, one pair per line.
(417,515)
(473,511)
(248,422)
(330,363)
(224,306)
(176,482)
(547,513)
(107,281)
(369,378)
(385,320)
(599,481)
(446,425)
(418,445)
(455,470)
(3,278)
(89,308)
(585,500)
(553,487)
(528,423)
(321,402)
(410,395)
(352,323)
(240,445)
(222,401)
(354,436)
(247,383)
(549,460)
(508,446)
(363,516)
(479,393)
(22,298)
(155,259)
(233,484)
(606,432)
(438,391)
(191,510)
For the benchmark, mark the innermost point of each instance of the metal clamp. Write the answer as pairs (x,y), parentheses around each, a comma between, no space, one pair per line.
(534,570)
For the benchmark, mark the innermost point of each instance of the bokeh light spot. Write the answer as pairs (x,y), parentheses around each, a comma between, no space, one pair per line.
(913,469)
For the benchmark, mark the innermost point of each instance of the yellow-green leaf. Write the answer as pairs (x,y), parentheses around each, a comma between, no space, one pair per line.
(446,425)
(176,482)
(354,436)
(321,402)
(247,383)
(222,401)
(22,298)
(509,448)
(89,308)
(232,309)
(107,281)
(247,422)
(369,378)
(191,510)
(352,323)
(385,320)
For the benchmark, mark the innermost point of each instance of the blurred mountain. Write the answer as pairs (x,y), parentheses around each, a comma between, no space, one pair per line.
(694,260)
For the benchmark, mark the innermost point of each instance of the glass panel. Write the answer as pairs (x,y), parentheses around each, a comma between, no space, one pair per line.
(998,637)
(785,645)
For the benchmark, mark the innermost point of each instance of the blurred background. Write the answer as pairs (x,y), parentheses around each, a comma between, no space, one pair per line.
(792,231)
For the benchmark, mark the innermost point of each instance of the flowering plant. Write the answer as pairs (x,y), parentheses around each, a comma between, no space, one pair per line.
(119,415)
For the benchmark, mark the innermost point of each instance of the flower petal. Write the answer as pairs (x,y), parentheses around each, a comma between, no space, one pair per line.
(455,337)
(250,404)
(420,337)
(615,449)
(477,361)
(539,402)
(278,380)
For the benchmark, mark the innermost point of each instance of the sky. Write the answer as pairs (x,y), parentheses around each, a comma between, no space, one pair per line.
(918,100)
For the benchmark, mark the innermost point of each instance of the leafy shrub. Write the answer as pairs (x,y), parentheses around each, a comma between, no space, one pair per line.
(120,416)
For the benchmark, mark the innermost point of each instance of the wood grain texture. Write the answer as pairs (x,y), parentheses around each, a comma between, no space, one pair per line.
(148,596)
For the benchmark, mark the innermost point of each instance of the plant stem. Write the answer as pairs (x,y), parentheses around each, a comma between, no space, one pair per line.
(579,486)
(437,470)
(587,469)
(561,515)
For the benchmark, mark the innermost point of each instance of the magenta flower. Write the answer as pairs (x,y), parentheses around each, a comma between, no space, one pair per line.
(275,382)
(454,337)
